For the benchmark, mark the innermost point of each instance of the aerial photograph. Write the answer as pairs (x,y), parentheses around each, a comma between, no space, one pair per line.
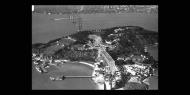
(95,47)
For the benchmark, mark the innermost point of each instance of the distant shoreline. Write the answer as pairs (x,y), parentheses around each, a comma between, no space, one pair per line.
(45,29)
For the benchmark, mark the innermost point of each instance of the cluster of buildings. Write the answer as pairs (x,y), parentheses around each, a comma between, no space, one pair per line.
(90,9)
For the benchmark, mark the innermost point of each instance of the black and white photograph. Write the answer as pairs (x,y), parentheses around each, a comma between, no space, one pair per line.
(95,47)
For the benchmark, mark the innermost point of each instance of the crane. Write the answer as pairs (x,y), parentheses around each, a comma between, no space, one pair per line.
(75,19)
